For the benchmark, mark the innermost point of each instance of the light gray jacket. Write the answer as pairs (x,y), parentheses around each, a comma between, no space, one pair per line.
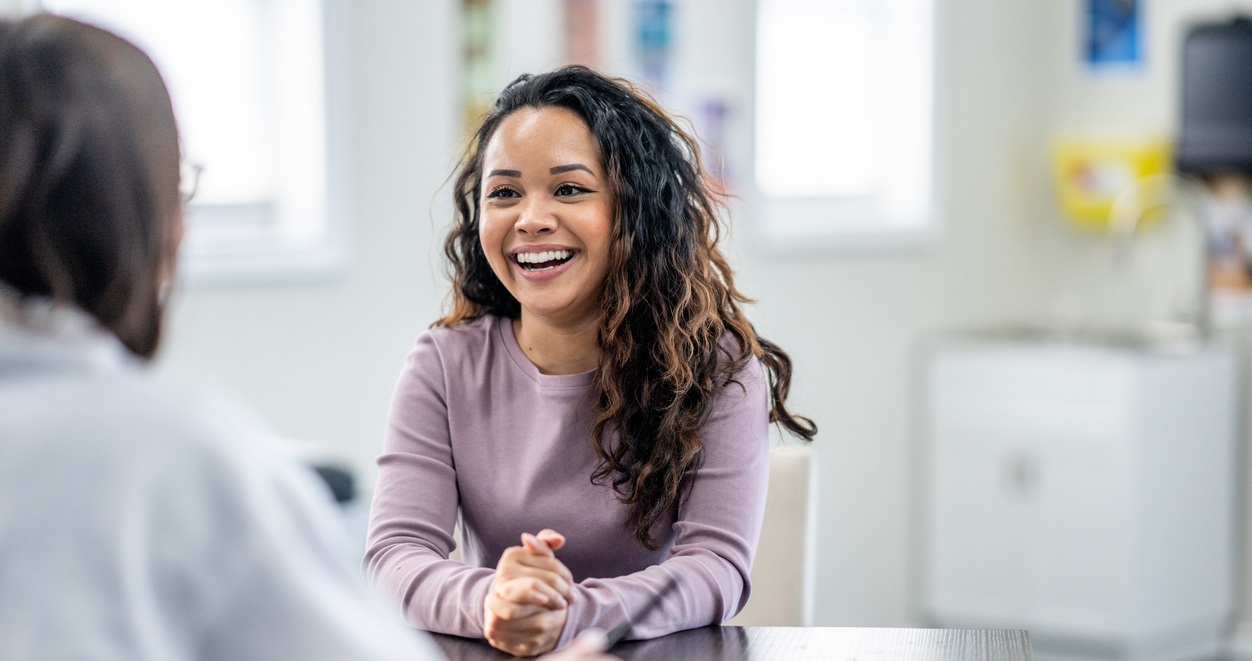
(136,524)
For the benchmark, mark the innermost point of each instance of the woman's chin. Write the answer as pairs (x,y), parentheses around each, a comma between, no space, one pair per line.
(566,313)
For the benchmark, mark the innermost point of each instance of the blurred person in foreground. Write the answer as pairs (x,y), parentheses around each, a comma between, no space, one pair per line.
(134,523)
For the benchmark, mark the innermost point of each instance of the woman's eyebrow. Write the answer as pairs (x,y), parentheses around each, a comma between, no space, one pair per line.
(572,166)
(516,174)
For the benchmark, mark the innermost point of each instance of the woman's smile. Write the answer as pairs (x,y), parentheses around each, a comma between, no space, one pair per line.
(542,262)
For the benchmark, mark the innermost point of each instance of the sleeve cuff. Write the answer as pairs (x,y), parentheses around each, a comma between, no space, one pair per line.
(571,626)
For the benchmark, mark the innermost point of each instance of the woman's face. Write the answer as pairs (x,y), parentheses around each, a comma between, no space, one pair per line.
(546,214)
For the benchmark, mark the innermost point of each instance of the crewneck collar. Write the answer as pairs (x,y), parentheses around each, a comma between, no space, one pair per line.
(504,329)
(38,331)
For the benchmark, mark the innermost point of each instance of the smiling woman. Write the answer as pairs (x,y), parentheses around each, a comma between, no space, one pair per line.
(595,381)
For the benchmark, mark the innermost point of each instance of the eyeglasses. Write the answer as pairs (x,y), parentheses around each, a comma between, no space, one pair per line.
(188,180)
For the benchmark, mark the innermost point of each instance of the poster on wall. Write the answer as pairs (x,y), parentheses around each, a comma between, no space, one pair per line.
(1112,35)
(653,38)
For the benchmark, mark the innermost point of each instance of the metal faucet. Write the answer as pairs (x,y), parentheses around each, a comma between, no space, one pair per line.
(1165,195)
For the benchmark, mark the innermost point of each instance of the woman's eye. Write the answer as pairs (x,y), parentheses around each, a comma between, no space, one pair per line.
(570,189)
(502,192)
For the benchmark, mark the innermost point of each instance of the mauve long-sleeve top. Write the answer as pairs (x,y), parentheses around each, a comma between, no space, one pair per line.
(477,432)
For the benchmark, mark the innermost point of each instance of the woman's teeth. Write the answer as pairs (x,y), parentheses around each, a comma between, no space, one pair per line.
(541,261)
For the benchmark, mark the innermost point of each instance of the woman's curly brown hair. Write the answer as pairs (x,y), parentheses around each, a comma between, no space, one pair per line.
(669,298)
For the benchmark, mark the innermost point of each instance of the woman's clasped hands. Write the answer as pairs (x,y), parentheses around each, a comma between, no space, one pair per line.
(525,610)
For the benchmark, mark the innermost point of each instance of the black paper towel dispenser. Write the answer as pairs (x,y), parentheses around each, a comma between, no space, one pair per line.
(1216,132)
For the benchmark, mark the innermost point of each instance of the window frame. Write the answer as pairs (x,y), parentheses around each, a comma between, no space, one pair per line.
(851,224)
(268,258)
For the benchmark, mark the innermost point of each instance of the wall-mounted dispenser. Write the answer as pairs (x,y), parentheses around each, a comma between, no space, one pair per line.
(1216,121)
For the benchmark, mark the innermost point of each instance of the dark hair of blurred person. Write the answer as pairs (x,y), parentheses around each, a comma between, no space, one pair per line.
(89,175)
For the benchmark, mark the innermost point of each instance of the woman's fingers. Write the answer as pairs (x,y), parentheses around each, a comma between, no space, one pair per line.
(526,608)
(540,559)
(554,580)
(529,590)
(523,636)
(544,543)
(552,538)
(511,611)
(517,561)
(536,547)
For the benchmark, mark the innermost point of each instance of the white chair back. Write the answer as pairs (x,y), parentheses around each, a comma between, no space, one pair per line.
(782,574)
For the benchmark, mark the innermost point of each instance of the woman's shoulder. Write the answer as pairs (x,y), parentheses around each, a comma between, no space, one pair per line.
(741,377)
(730,349)
(471,333)
(454,344)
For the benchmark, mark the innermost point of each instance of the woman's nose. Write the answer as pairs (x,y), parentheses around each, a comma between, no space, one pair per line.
(536,218)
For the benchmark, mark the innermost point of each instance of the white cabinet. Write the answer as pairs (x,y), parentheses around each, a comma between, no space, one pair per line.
(1084,493)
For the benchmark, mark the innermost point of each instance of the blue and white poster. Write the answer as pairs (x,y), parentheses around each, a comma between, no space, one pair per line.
(1112,36)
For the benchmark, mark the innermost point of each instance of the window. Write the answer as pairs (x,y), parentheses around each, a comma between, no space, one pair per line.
(247,78)
(844,119)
